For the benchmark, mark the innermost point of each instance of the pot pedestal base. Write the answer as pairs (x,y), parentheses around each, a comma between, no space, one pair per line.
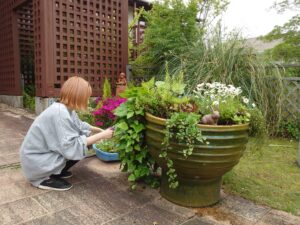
(192,193)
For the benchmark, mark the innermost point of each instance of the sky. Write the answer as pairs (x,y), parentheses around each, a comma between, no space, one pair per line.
(253,17)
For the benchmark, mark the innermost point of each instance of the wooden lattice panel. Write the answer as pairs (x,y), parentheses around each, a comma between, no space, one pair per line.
(71,37)
(88,39)
(26,42)
(9,63)
(38,34)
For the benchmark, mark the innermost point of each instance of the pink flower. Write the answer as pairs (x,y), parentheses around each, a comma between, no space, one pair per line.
(97,100)
(99,123)
(104,115)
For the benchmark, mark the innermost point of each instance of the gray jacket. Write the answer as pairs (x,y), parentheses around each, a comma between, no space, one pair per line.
(56,135)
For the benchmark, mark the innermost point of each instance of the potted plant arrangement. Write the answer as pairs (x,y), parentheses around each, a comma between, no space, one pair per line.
(106,150)
(195,138)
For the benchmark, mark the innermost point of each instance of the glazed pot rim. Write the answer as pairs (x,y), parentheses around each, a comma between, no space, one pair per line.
(162,121)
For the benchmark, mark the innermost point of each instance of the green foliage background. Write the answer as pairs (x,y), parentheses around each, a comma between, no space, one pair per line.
(205,53)
(289,49)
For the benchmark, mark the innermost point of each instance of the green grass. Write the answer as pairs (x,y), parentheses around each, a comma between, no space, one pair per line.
(270,176)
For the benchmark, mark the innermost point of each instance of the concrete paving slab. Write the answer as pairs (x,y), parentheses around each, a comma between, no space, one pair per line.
(166,205)
(15,122)
(223,216)
(15,191)
(19,211)
(96,195)
(10,159)
(13,186)
(243,208)
(149,214)
(235,210)
(10,175)
(102,195)
(11,135)
(276,217)
(97,198)
(204,221)
(10,148)
(15,127)
(73,216)
(54,201)
(18,111)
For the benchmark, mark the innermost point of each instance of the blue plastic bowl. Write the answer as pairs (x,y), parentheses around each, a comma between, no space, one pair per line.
(106,156)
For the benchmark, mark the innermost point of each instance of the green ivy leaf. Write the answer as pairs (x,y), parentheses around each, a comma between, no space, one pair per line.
(130,114)
(121,111)
(129,149)
(138,127)
(144,171)
(131,177)
(122,126)
(137,147)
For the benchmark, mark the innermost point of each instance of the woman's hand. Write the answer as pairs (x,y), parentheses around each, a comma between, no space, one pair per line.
(96,129)
(108,133)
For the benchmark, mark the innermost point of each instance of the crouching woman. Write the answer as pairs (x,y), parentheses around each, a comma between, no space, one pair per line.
(58,139)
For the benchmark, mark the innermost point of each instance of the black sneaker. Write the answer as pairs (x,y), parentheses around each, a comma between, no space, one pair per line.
(57,184)
(65,175)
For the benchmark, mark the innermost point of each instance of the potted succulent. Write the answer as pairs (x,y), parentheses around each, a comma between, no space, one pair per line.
(195,138)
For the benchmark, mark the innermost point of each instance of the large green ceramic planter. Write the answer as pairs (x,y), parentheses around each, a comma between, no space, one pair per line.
(199,175)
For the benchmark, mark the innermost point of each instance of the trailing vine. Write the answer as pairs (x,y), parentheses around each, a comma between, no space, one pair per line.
(134,155)
(183,128)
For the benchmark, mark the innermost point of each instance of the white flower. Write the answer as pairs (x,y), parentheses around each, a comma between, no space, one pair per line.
(245,100)
(253,105)
(215,103)
(209,85)
(217,91)
(238,91)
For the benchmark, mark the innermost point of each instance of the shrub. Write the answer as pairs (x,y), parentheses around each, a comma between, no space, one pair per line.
(106,90)
(104,116)
(290,129)
(29,97)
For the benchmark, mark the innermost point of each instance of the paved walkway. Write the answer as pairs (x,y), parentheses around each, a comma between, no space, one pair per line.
(101,194)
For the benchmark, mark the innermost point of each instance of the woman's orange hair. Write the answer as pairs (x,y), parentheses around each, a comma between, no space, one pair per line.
(75,93)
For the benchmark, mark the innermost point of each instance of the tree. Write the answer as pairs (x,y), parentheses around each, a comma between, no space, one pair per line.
(131,48)
(289,49)
(172,25)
